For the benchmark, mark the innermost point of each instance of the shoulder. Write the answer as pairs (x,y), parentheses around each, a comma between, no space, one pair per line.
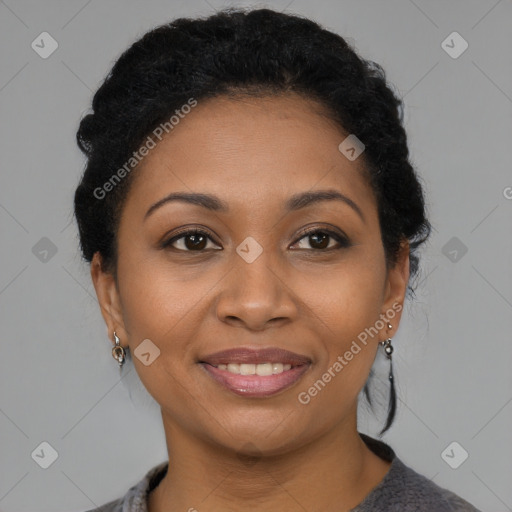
(135,499)
(428,495)
(404,490)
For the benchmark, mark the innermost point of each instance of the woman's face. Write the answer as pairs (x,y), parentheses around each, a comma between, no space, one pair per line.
(254,279)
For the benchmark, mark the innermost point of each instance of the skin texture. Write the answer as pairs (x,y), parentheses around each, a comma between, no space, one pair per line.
(254,153)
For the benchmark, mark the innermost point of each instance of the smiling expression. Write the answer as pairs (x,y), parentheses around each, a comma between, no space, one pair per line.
(236,179)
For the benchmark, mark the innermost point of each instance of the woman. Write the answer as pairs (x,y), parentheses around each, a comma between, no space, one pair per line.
(252,223)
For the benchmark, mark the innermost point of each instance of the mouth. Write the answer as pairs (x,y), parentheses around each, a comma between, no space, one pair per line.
(255,373)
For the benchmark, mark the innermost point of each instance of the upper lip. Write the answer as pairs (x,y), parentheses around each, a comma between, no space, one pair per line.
(242,355)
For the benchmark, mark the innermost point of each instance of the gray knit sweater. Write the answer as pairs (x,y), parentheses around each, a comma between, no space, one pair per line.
(401,490)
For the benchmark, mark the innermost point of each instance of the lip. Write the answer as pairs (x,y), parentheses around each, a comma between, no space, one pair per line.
(256,385)
(255,356)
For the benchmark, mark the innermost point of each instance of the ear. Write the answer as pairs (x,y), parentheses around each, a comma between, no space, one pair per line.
(109,299)
(395,290)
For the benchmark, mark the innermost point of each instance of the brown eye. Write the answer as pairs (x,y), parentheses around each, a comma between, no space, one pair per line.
(189,241)
(319,239)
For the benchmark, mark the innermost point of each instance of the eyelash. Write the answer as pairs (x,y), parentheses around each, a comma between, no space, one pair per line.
(342,241)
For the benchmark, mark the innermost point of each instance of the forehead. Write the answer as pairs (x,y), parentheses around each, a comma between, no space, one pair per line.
(251,151)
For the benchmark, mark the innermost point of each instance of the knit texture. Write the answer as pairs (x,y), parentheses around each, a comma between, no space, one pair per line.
(401,490)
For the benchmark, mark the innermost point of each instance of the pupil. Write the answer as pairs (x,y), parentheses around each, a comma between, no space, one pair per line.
(323,236)
(195,244)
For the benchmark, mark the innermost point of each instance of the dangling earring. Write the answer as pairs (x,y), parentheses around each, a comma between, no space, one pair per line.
(118,352)
(388,349)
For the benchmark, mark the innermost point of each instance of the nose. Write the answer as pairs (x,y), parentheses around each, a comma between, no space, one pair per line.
(256,295)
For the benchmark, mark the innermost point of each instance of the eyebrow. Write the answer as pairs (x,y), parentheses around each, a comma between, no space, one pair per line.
(295,202)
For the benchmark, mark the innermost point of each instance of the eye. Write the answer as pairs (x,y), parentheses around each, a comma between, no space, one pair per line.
(196,240)
(319,239)
(192,240)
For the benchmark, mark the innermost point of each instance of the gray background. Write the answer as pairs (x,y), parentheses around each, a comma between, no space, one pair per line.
(58,381)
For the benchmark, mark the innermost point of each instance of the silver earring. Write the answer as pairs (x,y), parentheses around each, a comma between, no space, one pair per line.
(388,348)
(118,352)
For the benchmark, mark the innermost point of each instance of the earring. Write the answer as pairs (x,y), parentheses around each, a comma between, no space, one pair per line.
(118,352)
(388,349)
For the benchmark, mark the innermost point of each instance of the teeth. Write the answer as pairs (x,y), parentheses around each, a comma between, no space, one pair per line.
(255,369)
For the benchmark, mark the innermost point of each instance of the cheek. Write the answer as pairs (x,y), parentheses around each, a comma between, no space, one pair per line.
(346,298)
(158,305)
(168,307)
(344,305)
(157,296)
(348,351)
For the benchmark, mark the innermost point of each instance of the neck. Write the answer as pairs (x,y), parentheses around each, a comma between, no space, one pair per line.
(333,472)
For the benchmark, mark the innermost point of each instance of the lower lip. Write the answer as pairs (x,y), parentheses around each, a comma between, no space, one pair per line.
(256,385)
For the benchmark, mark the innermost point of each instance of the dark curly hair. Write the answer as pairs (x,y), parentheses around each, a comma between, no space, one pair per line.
(257,52)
